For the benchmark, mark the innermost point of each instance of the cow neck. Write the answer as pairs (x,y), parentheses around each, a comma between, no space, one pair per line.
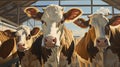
(67,44)
(85,47)
(42,53)
(4,53)
(81,48)
(68,52)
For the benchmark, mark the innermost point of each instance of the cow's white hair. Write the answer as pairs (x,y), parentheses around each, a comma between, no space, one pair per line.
(25,28)
(104,11)
(53,13)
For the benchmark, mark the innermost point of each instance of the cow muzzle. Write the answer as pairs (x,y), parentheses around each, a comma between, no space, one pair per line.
(21,47)
(50,41)
(102,42)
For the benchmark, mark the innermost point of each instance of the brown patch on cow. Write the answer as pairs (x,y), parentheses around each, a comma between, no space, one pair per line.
(85,48)
(6,48)
(42,53)
(68,46)
(115,42)
(8,43)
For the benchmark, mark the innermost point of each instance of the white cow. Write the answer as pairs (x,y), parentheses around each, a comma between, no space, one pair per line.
(52,19)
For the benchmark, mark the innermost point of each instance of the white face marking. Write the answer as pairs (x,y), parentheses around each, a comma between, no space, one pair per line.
(23,43)
(52,17)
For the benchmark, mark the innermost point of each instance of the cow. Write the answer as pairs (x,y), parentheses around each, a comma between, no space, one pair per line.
(94,48)
(25,38)
(15,42)
(50,43)
(8,49)
(113,32)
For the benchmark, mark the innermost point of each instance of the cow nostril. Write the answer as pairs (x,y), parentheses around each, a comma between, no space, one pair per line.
(98,41)
(105,40)
(45,40)
(23,44)
(54,40)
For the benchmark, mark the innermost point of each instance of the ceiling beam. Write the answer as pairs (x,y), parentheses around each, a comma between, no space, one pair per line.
(8,21)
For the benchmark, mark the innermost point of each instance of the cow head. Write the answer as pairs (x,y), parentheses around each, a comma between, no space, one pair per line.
(52,20)
(25,37)
(97,23)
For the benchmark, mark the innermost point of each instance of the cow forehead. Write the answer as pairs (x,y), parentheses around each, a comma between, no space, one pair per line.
(100,20)
(52,13)
(23,29)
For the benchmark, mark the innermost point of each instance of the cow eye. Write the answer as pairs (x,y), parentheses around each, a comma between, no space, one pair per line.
(43,22)
(58,24)
(28,37)
(62,21)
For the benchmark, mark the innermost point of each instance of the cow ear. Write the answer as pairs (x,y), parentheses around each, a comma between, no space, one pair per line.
(81,23)
(8,33)
(35,31)
(33,12)
(72,14)
(115,21)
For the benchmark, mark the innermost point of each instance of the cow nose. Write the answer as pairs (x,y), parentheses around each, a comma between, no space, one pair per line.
(50,41)
(21,45)
(102,41)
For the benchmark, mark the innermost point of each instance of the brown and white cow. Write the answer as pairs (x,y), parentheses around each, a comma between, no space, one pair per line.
(113,32)
(52,19)
(8,49)
(94,46)
(26,36)
(25,39)
(22,38)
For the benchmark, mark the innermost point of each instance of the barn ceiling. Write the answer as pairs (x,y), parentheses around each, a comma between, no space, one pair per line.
(114,3)
(13,9)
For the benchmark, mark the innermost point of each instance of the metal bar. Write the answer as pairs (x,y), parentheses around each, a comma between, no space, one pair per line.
(66,5)
(8,21)
(18,14)
(14,6)
(112,10)
(59,2)
(91,6)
